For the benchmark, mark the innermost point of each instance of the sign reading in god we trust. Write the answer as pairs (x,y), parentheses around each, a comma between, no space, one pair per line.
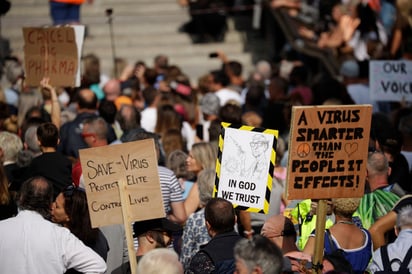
(246,161)
(130,168)
(53,52)
(391,80)
(328,151)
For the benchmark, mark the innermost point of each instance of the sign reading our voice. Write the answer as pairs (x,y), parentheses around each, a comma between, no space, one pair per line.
(390,80)
(328,151)
(129,167)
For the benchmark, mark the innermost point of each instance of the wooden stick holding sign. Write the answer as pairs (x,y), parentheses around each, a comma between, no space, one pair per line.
(319,237)
(244,169)
(127,220)
(122,186)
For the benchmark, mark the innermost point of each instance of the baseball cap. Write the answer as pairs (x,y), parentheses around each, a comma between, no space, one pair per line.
(160,224)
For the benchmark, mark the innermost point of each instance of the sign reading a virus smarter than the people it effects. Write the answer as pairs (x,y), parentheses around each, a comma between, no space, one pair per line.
(328,151)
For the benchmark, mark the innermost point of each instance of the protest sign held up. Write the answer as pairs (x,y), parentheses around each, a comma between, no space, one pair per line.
(130,167)
(53,52)
(391,80)
(244,171)
(328,151)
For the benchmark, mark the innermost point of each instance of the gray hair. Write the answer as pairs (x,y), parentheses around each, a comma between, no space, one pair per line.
(160,260)
(205,181)
(30,138)
(259,252)
(11,144)
(404,218)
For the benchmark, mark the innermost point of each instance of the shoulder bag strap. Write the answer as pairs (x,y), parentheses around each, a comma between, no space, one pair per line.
(407,259)
(385,259)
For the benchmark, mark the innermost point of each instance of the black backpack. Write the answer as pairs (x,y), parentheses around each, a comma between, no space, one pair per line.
(387,265)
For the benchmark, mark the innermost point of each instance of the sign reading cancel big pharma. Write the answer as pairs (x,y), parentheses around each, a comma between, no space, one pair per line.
(390,80)
(328,151)
(244,170)
(128,169)
(53,52)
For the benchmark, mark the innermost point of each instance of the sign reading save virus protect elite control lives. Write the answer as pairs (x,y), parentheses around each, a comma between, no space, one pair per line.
(328,151)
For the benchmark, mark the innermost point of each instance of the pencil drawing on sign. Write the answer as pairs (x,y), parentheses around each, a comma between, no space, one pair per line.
(249,161)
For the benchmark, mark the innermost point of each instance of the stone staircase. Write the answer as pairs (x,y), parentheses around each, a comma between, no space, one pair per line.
(142,29)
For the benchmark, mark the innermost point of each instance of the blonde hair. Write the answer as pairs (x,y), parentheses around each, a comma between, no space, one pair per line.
(345,207)
(205,154)
(160,260)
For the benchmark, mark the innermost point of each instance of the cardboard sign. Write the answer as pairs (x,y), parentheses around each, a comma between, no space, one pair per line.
(53,52)
(390,80)
(245,166)
(328,151)
(131,166)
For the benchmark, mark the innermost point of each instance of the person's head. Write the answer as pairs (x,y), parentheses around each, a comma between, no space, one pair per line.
(48,135)
(172,140)
(234,68)
(155,233)
(10,145)
(151,96)
(252,118)
(176,161)
(264,69)
(30,140)
(112,90)
(206,182)
(217,80)
(231,113)
(128,117)
(87,100)
(167,118)
(404,219)
(345,207)
(95,131)
(70,209)
(160,260)
(202,155)
(277,88)
(36,194)
(161,63)
(377,167)
(210,105)
(107,110)
(281,231)
(220,216)
(13,71)
(257,255)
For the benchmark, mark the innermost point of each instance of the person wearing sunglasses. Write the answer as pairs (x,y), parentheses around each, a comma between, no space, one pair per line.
(71,211)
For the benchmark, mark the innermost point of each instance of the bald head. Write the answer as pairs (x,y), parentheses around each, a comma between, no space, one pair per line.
(112,90)
(87,100)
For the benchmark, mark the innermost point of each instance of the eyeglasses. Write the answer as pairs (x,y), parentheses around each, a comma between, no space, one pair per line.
(85,135)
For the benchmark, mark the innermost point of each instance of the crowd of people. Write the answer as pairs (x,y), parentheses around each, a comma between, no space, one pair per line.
(45,225)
